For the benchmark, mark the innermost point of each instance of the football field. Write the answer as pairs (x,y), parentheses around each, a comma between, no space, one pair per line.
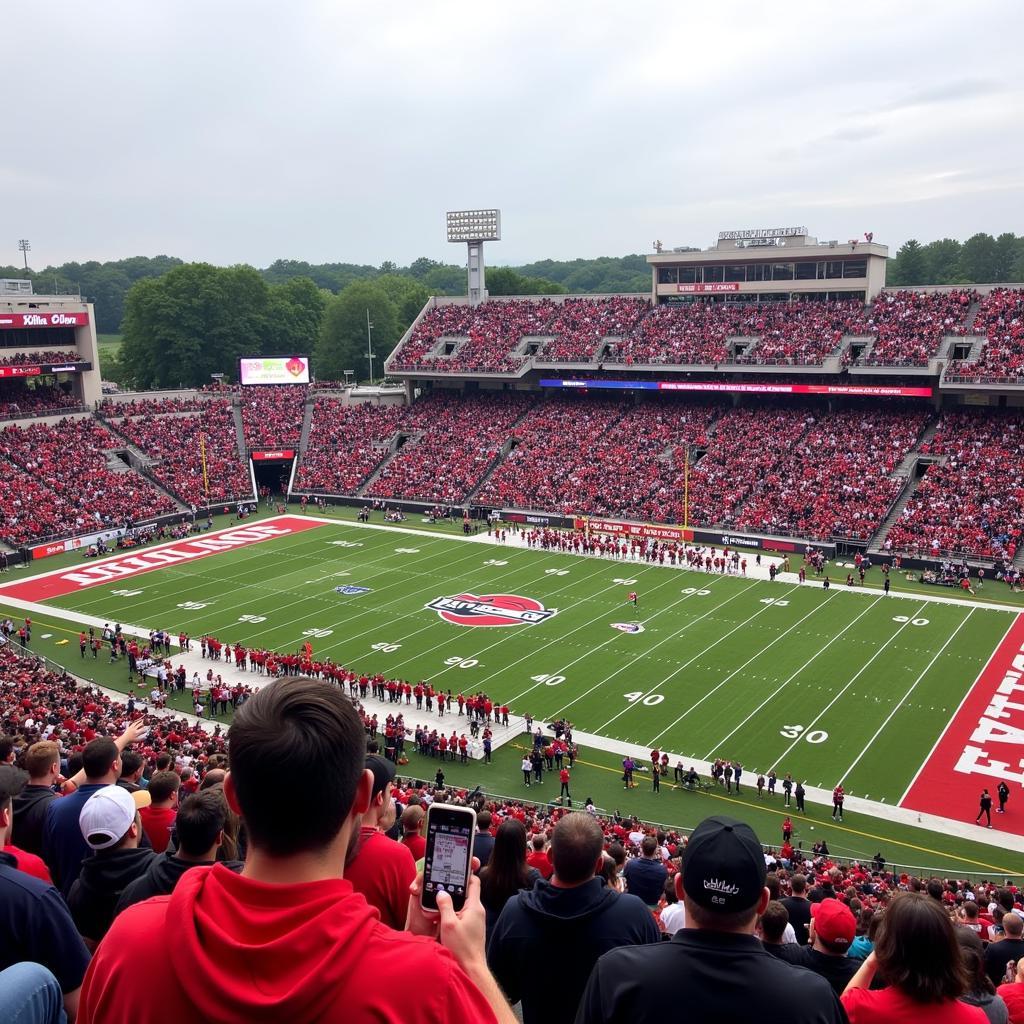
(832,686)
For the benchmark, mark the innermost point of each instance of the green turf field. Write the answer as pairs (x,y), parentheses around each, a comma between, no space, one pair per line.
(834,686)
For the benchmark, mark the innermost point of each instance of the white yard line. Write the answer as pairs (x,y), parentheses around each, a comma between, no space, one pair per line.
(899,704)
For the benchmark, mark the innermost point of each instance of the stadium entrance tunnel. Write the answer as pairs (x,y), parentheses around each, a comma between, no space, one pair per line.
(273,475)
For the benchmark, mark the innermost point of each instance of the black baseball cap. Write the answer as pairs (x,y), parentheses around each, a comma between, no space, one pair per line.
(723,866)
(12,782)
(383,772)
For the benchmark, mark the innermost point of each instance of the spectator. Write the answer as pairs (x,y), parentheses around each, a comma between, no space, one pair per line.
(412,828)
(833,928)
(799,908)
(110,825)
(569,921)
(673,915)
(538,856)
(483,844)
(506,872)
(378,867)
(981,991)
(199,831)
(772,925)
(12,783)
(645,875)
(919,959)
(1010,947)
(159,816)
(290,919)
(132,765)
(30,994)
(1012,993)
(42,762)
(64,846)
(715,967)
(34,921)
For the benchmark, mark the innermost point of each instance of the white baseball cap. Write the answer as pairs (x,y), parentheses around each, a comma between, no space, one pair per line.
(106,816)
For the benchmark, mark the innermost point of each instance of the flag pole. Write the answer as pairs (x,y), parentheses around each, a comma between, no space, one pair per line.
(686,491)
(202,459)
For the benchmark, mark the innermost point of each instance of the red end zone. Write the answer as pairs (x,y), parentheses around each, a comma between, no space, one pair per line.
(982,745)
(108,570)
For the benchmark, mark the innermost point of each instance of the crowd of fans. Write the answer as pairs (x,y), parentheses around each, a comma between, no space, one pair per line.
(103,806)
(346,444)
(173,443)
(969,501)
(456,440)
(909,326)
(18,399)
(1001,319)
(580,325)
(837,479)
(486,335)
(272,415)
(38,358)
(59,484)
(112,409)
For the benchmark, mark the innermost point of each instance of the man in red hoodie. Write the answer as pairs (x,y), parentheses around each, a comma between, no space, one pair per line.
(288,938)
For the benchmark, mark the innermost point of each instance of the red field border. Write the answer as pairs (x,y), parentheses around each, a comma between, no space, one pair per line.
(982,745)
(109,570)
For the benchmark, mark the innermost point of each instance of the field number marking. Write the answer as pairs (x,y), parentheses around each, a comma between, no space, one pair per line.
(252,618)
(385,647)
(651,700)
(347,543)
(792,732)
(625,583)
(126,593)
(548,680)
(318,633)
(694,590)
(775,601)
(556,572)
(457,662)
(913,622)
(495,561)
(192,606)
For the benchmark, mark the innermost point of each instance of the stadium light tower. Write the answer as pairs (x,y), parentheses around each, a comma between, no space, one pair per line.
(474,227)
(23,247)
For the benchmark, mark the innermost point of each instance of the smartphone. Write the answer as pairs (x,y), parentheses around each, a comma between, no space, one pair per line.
(448,860)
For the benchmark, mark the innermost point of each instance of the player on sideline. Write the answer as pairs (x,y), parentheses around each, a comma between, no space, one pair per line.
(633,598)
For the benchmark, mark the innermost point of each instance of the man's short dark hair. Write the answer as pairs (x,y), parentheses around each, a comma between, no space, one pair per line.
(98,756)
(163,762)
(130,763)
(6,747)
(1013,925)
(774,921)
(163,786)
(798,884)
(934,888)
(648,845)
(483,820)
(576,845)
(200,817)
(297,753)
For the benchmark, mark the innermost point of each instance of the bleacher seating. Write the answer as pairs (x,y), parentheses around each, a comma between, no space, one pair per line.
(173,442)
(1001,319)
(346,443)
(909,326)
(580,325)
(37,358)
(57,483)
(972,503)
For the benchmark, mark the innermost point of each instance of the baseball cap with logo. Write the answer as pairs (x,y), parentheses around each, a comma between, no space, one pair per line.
(106,816)
(383,772)
(723,866)
(834,923)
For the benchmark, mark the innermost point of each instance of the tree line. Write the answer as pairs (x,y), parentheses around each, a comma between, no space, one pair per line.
(982,259)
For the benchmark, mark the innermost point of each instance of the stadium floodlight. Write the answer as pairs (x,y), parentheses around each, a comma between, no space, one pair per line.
(24,246)
(474,227)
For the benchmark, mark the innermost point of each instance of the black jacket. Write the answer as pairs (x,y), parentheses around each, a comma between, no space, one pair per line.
(799,911)
(30,807)
(705,976)
(161,877)
(547,941)
(104,877)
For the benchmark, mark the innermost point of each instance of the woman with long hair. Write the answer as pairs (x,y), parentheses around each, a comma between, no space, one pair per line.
(919,960)
(506,872)
(980,992)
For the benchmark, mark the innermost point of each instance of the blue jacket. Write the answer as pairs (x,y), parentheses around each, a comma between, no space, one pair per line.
(64,848)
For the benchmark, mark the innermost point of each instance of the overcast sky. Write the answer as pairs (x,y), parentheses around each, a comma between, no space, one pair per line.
(246,131)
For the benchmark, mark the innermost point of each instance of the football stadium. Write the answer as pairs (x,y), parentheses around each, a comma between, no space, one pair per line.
(698,605)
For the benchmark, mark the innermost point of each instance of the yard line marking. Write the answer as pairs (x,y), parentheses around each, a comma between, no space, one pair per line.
(900,703)
(860,672)
(638,657)
(612,639)
(735,672)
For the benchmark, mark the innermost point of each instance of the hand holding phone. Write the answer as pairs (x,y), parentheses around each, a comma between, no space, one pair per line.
(448,859)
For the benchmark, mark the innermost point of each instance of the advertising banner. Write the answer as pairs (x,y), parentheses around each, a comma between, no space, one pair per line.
(9,321)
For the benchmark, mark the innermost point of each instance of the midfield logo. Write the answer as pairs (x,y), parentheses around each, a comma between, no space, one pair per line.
(628,627)
(350,591)
(491,610)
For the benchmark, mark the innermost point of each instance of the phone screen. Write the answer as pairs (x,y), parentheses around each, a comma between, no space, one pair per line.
(448,857)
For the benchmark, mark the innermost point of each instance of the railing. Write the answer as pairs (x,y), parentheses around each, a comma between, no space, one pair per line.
(865,859)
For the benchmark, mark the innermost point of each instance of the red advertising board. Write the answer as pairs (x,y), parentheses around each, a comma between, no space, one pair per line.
(9,321)
(711,286)
(20,371)
(280,455)
(676,533)
(45,550)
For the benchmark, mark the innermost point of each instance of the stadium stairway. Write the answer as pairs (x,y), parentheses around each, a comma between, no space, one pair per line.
(236,412)
(503,453)
(307,424)
(394,447)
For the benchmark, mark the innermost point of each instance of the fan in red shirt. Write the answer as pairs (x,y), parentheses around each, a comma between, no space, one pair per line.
(289,939)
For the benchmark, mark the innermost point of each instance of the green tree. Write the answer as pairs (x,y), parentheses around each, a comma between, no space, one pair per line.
(407,296)
(941,259)
(343,341)
(294,316)
(506,281)
(1008,248)
(446,279)
(908,267)
(978,261)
